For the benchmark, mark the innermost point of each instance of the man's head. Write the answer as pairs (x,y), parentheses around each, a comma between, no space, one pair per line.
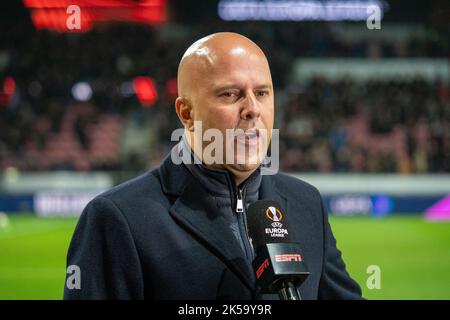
(224,81)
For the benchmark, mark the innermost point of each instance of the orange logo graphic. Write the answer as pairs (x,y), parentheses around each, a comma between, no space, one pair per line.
(274,214)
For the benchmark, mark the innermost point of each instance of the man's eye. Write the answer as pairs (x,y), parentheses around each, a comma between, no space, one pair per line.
(229,94)
(262,93)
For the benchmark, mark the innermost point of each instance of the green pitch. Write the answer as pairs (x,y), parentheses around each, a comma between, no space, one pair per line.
(413,256)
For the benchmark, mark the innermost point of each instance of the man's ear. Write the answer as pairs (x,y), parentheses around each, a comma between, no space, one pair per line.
(185,113)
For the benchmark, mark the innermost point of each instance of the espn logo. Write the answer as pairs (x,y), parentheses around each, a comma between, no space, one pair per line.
(288,257)
(262,268)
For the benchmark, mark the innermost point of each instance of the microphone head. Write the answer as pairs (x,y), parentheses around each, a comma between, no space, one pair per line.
(278,261)
(267,223)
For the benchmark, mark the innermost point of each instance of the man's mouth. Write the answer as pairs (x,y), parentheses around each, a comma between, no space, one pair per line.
(249,137)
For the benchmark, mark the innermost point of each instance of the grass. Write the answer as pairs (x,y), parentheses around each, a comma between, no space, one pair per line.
(32,257)
(413,255)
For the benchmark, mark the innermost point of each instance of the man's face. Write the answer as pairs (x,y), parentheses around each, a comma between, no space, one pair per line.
(236,93)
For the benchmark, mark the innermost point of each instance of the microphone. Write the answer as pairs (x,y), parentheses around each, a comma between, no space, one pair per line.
(279,264)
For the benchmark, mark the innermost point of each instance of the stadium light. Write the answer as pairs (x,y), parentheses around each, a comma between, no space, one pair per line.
(7,90)
(82,91)
(145,90)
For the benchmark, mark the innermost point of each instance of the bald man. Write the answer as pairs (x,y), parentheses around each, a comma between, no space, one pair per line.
(180,230)
(224,82)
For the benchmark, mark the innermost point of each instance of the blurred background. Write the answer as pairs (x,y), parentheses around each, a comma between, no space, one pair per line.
(363,109)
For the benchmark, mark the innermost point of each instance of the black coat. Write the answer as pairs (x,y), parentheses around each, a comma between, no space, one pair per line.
(155,237)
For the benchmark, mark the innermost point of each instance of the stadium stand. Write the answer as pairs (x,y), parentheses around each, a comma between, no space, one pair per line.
(326,125)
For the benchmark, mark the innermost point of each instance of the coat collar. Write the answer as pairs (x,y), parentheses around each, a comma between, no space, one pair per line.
(192,210)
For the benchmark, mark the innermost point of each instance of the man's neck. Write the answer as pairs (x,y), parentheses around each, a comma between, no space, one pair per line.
(238,175)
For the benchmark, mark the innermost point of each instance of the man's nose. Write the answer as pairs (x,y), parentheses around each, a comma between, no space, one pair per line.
(251,108)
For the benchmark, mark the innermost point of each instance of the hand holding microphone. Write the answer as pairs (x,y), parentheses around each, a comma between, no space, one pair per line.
(279,263)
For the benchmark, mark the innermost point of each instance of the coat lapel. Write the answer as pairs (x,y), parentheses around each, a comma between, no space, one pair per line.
(268,191)
(195,213)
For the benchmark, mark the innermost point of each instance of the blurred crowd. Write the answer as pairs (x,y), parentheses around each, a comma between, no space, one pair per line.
(375,126)
(326,126)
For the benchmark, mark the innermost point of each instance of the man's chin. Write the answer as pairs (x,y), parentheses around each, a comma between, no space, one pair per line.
(245,167)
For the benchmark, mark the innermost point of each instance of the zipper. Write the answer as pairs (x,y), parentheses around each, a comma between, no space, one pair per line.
(242,222)
(239,201)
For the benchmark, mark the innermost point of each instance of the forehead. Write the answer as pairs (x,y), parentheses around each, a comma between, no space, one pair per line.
(238,66)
